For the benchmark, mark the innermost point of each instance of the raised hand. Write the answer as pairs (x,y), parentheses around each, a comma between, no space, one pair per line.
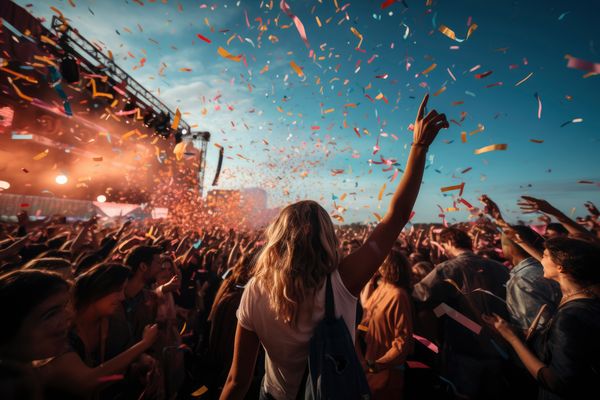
(531,204)
(491,208)
(592,209)
(427,127)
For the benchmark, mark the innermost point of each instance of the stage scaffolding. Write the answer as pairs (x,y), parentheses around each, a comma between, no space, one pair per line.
(94,61)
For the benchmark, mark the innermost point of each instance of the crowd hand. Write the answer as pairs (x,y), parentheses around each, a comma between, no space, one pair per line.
(173,285)
(592,209)
(531,204)
(491,208)
(150,335)
(511,234)
(427,127)
(498,324)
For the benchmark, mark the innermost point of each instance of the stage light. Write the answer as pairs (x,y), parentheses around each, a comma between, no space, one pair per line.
(184,131)
(4,185)
(61,179)
(101,198)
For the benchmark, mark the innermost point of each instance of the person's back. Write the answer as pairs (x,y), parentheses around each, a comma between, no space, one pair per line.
(284,302)
(286,347)
(473,286)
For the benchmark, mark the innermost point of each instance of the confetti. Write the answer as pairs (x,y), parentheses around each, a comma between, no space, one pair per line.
(16,136)
(176,120)
(429,69)
(573,121)
(460,187)
(207,40)
(296,68)
(450,33)
(200,391)
(431,346)
(41,155)
(18,91)
(445,309)
(578,63)
(483,75)
(492,147)
(225,54)
(19,75)
(539,113)
(299,26)
(380,195)
(358,35)
(524,79)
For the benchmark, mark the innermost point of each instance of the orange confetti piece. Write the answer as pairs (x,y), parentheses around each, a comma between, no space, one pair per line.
(380,196)
(41,155)
(225,54)
(46,39)
(358,35)
(480,128)
(429,69)
(377,216)
(297,68)
(491,147)
(95,93)
(463,137)
(18,75)
(442,90)
(185,69)
(18,91)
(176,120)
(199,392)
(454,187)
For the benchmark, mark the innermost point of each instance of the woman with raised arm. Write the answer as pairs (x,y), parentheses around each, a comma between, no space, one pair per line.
(285,300)
(565,359)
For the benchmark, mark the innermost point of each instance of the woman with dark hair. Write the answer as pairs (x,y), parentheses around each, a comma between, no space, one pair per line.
(566,361)
(388,326)
(223,320)
(35,317)
(80,371)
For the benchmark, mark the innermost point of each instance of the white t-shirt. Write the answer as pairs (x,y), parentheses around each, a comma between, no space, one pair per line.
(287,348)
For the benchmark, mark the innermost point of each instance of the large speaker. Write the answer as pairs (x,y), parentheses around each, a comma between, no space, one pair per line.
(69,69)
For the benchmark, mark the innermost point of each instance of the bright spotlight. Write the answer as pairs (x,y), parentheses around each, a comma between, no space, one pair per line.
(184,131)
(61,179)
(101,198)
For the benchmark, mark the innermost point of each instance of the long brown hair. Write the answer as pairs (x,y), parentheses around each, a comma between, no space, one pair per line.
(301,250)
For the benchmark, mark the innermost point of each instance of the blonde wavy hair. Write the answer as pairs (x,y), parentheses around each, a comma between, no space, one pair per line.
(301,249)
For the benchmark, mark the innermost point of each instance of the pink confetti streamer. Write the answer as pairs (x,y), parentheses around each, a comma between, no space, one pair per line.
(431,346)
(458,317)
(299,25)
(578,63)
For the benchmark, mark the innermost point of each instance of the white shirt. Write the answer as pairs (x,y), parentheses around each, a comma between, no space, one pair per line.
(287,348)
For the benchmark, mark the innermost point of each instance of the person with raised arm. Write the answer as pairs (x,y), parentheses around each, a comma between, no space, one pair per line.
(285,300)
(530,204)
(565,359)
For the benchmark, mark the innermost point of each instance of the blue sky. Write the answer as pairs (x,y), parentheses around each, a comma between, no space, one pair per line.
(270,133)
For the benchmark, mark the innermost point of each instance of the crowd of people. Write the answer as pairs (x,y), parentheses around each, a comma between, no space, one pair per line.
(154,310)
